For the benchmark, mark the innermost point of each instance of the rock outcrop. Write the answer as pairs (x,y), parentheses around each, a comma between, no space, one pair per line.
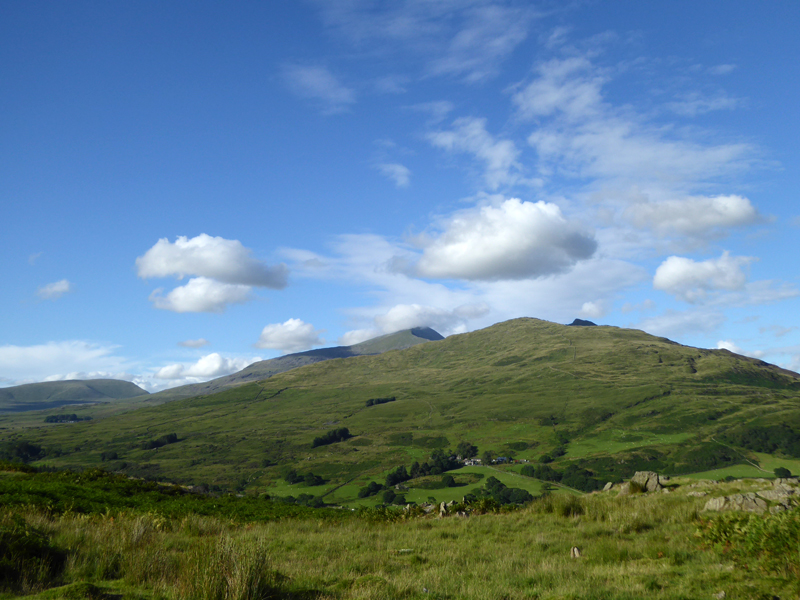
(646,481)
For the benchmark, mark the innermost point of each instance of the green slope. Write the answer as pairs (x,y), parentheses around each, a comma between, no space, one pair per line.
(614,400)
(51,394)
(267,368)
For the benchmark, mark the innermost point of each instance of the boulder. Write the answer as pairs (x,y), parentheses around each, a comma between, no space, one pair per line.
(697,494)
(608,486)
(647,481)
(625,489)
(749,502)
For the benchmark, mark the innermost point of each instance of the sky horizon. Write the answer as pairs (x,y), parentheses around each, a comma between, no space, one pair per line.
(188,188)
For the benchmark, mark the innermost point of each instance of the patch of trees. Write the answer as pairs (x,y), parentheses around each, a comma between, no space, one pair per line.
(439,462)
(376,401)
(769,439)
(104,456)
(292,476)
(573,476)
(164,440)
(390,497)
(302,500)
(21,451)
(466,450)
(333,436)
(370,490)
(73,418)
(500,493)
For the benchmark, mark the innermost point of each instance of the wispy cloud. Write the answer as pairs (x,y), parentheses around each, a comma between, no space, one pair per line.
(400,174)
(318,85)
(467,40)
(469,135)
(53,291)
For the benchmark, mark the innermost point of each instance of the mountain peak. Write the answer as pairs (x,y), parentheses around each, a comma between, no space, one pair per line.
(582,323)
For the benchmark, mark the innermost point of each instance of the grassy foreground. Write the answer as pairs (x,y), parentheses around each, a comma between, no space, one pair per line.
(640,546)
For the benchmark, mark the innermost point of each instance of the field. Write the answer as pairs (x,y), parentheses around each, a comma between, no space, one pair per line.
(640,546)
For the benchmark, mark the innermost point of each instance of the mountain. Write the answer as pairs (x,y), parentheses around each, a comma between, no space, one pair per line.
(600,402)
(399,340)
(53,394)
(582,323)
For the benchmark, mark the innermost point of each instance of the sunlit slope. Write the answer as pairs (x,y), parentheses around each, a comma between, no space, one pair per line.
(267,368)
(36,396)
(526,386)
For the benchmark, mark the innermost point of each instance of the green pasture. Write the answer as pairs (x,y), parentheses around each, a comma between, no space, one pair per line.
(611,441)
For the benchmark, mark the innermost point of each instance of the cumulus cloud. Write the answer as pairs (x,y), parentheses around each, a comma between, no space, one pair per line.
(400,174)
(293,335)
(470,135)
(201,294)
(692,281)
(732,347)
(694,216)
(226,261)
(54,290)
(199,343)
(318,84)
(208,367)
(513,240)
(224,271)
(593,310)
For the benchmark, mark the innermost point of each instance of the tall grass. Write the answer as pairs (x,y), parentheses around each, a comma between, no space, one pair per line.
(640,546)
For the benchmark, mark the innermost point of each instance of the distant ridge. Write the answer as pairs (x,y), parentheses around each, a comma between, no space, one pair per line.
(582,323)
(264,369)
(53,394)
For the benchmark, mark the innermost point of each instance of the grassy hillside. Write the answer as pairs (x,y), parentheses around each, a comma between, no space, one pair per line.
(267,368)
(52,394)
(162,543)
(610,400)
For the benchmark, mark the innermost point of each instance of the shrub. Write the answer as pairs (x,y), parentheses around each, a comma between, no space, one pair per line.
(782,472)
(333,436)
(27,558)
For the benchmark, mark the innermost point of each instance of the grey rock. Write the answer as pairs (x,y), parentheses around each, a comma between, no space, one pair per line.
(608,486)
(575,552)
(625,489)
(647,481)
(697,494)
(749,502)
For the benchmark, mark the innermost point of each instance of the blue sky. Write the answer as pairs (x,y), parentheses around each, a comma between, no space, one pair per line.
(187,187)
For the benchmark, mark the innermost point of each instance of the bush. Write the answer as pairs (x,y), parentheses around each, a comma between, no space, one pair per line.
(782,472)
(333,436)
(27,558)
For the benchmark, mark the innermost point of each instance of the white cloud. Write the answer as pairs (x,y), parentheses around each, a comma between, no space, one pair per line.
(673,324)
(700,216)
(225,273)
(593,310)
(291,336)
(34,257)
(408,316)
(54,290)
(58,360)
(468,40)
(318,84)
(469,135)
(226,261)
(732,347)
(563,86)
(208,367)
(514,240)
(692,281)
(199,343)
(201,294)
(398,173)
(579,134)
(695,104)
(722,69)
